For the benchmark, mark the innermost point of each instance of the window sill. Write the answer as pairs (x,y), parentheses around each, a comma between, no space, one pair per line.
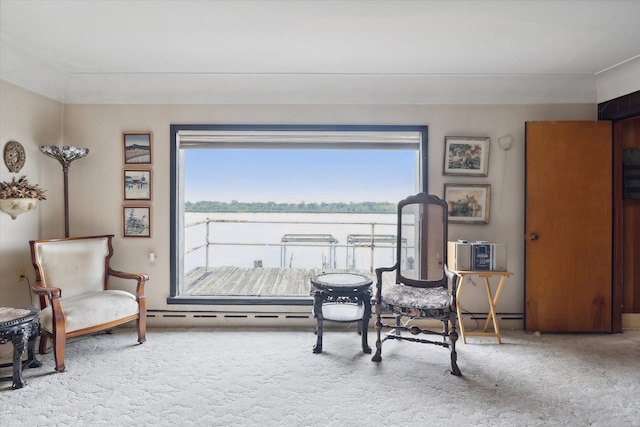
(240,300)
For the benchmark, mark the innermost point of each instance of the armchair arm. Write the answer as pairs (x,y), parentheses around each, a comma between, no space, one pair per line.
(379,272)
(454,286)
(42,291)
(141,278)
(454,280)
(53,300)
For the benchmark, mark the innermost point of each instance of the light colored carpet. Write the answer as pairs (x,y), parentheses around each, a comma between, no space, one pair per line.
(225,377)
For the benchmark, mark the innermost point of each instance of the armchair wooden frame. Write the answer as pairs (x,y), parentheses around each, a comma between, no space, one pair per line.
(52,296)
(427,297)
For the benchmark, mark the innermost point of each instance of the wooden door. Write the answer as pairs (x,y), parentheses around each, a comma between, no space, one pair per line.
(627,137)
(568,227)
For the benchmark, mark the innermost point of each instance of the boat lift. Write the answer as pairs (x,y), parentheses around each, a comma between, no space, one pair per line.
(320,240)
(355,241)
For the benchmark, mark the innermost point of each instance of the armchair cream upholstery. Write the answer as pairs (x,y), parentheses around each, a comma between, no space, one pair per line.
(72,282)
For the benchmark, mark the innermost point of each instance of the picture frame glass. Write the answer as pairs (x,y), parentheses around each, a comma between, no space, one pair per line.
(137,184)
(468,156)
(136,221)
(137,148)
(468,203)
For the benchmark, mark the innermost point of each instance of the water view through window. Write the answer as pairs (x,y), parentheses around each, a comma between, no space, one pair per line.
(258,222)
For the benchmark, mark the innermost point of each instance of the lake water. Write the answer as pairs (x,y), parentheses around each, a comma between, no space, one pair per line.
(247,238)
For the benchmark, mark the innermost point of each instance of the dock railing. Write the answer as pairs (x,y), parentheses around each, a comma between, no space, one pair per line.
(373,240)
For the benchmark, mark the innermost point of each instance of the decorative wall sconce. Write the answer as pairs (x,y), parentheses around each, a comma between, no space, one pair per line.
(15,207)
(65,154)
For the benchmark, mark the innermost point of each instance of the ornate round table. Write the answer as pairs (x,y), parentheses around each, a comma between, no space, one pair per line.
(342,297)
(21,326)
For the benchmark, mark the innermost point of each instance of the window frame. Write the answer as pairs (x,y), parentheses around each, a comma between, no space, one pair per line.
(176,224)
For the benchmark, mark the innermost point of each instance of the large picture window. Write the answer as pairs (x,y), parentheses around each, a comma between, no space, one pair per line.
(257,210)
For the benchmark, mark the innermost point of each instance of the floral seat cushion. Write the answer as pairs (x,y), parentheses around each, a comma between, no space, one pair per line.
(416,302)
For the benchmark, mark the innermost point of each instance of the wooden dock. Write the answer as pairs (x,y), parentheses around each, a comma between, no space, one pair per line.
(229,281)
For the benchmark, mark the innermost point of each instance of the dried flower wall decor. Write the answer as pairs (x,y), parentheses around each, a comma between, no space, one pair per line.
(21,189)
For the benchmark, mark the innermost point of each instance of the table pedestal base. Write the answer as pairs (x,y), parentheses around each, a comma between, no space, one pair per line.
(341,297)
(22,332)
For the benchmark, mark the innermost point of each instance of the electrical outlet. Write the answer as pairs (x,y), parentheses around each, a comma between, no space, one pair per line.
(21,273)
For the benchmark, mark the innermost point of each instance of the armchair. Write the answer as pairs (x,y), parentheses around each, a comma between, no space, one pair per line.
(421,288)
(72,283)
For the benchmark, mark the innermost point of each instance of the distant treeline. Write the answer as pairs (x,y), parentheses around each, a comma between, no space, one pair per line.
(235,206)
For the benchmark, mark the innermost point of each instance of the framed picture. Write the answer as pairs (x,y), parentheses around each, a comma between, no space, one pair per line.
(468,203)
(137,184)
(467,156)
(136,221)
(137,148)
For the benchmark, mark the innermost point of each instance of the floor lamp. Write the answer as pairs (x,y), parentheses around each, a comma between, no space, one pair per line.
(65,154)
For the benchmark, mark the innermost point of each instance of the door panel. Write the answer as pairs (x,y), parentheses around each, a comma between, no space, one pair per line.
(568,227)
(627,136)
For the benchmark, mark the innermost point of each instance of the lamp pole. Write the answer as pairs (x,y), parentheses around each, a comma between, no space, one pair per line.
(65,172)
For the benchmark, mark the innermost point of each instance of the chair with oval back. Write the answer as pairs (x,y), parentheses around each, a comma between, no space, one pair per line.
(419,289)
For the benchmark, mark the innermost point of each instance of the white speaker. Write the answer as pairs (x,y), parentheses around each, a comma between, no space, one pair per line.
(459,256)
(498,257)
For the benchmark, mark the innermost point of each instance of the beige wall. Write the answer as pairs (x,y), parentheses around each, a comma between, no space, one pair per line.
(32,120)
(96,181)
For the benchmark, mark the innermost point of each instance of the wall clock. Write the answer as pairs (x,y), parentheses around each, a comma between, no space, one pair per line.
(14,156)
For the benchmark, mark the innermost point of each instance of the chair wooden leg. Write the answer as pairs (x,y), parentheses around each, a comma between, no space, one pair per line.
(378,356)
(59,344)
(398,324)
(142,329)
(453,337)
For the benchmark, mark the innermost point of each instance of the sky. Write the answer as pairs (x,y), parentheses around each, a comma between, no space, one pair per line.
(294,176)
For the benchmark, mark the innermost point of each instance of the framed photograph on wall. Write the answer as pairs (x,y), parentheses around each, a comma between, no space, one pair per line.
(137,148)
(468,203)
(137,184)
(467,156)
(136,221)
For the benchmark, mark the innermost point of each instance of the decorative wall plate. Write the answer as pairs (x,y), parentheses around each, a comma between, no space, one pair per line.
(14,156)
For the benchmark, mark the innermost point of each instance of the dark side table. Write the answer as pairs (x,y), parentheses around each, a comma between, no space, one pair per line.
(342,297)
(21,326)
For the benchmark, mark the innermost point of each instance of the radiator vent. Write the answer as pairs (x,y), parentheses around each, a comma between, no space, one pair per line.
(161,318)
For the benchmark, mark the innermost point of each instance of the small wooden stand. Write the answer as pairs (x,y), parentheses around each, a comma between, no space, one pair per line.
(493,301)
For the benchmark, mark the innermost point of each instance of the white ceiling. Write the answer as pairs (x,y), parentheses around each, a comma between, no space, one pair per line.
(254,51)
